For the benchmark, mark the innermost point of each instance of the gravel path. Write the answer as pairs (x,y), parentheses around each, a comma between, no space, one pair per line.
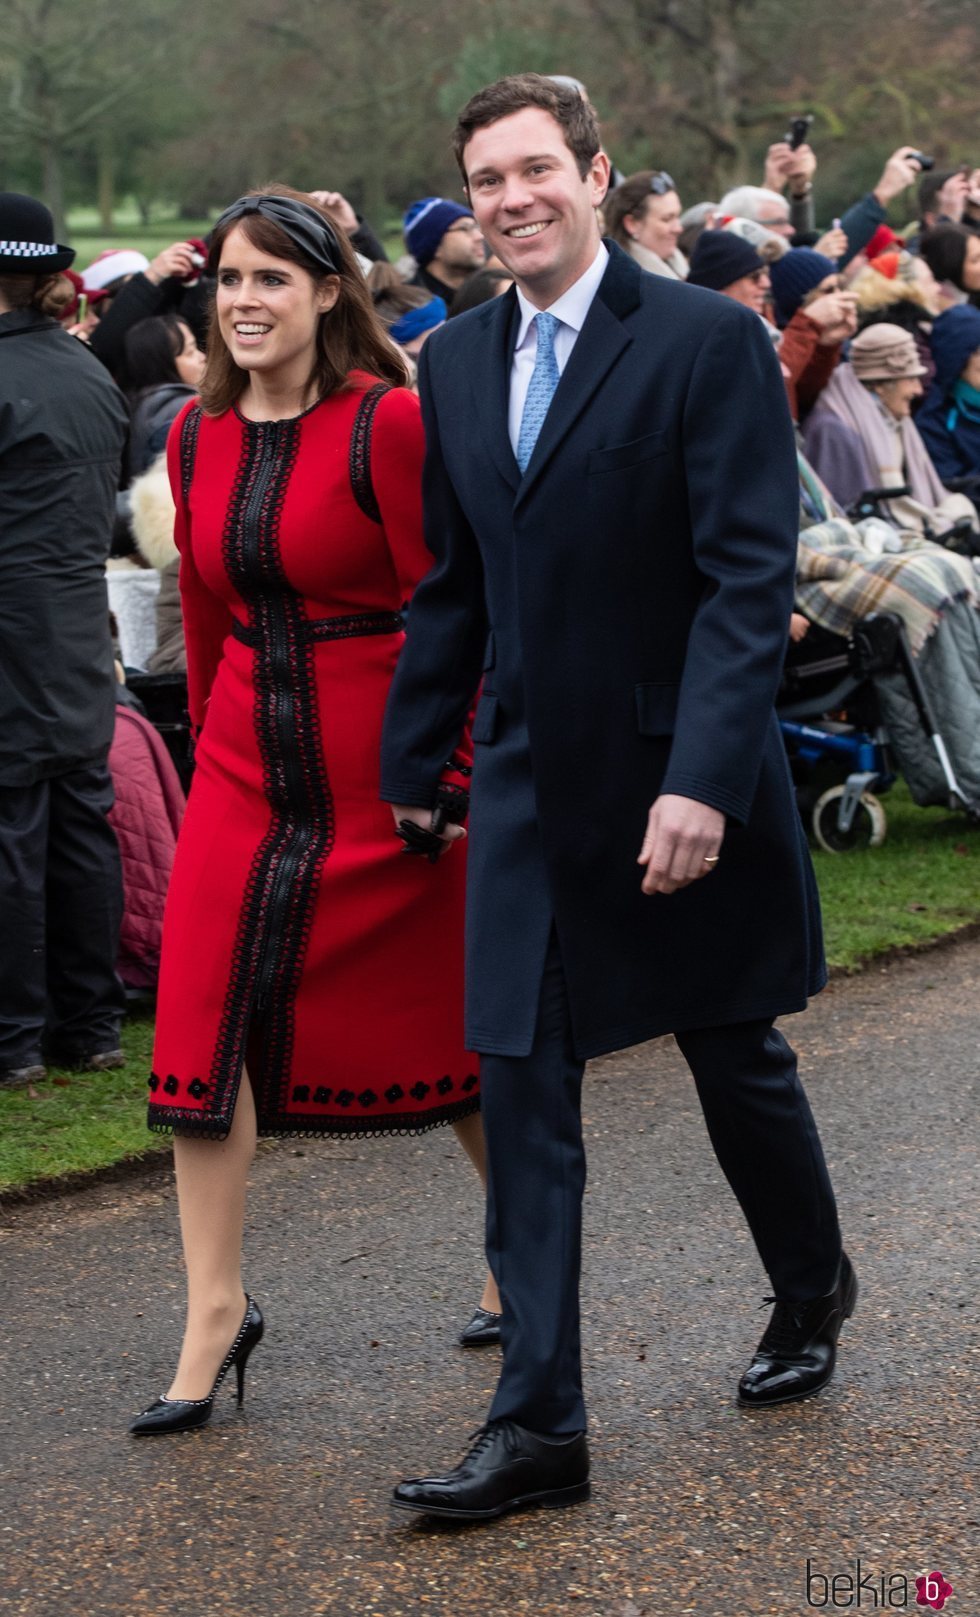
(366,1260)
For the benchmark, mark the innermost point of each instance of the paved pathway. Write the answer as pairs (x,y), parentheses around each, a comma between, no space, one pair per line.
(366,1259)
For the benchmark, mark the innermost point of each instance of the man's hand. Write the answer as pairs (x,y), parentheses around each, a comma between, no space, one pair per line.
(901,171)
(836,315)
(176,260)
(786,166)
(952,199)
(422,816)
(682,843)
(833,243)
(339,209)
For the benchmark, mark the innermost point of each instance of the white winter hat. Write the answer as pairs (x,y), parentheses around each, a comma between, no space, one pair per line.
(110,265)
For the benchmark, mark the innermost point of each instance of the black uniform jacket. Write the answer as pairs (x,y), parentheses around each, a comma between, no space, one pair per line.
(626,603)
(63,424)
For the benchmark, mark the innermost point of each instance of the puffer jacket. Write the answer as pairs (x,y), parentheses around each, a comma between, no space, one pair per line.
(146,818)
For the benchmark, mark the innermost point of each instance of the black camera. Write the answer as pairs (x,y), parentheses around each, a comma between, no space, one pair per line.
(798,130)
(923,161)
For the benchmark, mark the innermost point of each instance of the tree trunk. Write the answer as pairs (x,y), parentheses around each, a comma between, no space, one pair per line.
(53,183)
(724,86)
(106,183)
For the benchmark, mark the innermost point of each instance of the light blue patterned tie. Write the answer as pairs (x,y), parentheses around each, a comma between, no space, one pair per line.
(541,390)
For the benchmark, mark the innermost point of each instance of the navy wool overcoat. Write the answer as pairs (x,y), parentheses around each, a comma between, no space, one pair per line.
(626,604)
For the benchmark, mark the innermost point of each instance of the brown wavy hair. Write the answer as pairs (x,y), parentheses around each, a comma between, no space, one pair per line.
(349,336)
(567,106)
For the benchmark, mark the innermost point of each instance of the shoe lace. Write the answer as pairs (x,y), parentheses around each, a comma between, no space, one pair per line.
(783,1331)
(484,1435)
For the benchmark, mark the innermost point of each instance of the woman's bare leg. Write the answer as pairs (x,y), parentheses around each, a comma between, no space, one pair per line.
(469,1133)
(211,1177)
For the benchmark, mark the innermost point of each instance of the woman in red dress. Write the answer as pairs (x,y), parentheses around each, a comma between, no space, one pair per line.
(300,947)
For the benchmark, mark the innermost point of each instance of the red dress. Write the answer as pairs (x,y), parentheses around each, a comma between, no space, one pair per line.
(298,937)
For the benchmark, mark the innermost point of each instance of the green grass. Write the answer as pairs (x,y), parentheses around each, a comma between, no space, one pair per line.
(921,884)
(88,238)
(78,1121)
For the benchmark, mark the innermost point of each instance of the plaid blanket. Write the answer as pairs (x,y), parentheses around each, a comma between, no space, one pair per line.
(839,579)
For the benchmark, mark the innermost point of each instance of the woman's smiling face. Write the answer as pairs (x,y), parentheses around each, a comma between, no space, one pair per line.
(268,308)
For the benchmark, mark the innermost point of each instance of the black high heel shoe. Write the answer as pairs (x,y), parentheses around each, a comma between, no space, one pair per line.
(181,1414)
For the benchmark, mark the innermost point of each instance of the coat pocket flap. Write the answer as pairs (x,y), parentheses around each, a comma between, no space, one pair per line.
(618,456)
(656,708)
(485,722)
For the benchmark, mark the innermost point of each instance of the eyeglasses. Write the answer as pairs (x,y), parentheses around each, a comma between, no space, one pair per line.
(469,226)
(661,184)
(758,276)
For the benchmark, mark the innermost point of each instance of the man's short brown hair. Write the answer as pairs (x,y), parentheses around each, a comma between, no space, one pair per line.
(569,109)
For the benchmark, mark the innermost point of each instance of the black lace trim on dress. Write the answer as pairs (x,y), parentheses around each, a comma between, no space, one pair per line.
(360,451)
(349,627)
(189,434)
(286,1125)
(280,893)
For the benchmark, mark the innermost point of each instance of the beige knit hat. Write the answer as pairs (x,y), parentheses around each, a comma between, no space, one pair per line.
(884,353)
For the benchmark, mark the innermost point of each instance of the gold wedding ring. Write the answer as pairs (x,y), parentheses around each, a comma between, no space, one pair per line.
(712,858)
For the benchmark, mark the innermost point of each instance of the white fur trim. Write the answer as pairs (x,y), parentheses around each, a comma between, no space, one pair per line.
(153,513)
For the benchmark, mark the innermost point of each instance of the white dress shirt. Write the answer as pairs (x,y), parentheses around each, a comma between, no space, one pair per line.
(570,311)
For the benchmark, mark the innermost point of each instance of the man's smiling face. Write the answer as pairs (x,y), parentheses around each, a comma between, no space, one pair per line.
(532,204)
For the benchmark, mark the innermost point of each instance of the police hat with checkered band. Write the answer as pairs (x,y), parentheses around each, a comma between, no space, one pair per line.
(27,244)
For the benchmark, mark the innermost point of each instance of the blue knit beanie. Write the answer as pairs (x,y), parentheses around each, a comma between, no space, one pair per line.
(793,276)
(721,258)
(426,223)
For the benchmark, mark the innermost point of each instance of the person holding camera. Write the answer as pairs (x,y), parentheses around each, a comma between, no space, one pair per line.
(138,287)
(790,166)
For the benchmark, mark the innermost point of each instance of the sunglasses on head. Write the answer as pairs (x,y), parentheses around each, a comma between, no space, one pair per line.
(661,183)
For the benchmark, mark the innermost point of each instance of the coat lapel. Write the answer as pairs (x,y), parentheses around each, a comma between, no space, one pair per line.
(599,344)
(490,382)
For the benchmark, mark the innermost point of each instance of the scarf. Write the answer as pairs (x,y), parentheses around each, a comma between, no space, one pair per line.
(675,268)
(896,452)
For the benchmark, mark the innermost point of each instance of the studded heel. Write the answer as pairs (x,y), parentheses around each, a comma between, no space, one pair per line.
(182,1414)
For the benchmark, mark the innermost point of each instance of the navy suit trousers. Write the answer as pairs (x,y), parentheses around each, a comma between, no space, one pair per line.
(765,1139)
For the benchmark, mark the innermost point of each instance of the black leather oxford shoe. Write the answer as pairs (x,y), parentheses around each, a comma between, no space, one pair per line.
(506,1469)
(798,1350)
(483,1329)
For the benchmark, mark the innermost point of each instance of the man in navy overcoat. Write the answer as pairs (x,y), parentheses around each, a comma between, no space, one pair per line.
(612,502)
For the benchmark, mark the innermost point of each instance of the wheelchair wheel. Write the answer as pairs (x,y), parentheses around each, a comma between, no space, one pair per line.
(867,829)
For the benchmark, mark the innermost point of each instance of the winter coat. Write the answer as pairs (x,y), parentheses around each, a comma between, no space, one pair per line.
(859,224)
(63,424)
(146,818)
(153,415)
(951,436)
(152,517)
(807,364)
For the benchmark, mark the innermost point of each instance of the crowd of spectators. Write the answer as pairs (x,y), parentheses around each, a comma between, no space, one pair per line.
(817,284)
(877,330)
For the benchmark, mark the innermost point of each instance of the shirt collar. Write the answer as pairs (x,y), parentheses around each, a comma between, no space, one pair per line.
(573,306)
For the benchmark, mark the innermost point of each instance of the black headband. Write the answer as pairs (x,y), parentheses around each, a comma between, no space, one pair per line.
(311,232)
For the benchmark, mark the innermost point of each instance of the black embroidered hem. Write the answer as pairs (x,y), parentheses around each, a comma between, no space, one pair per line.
(195,1125)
